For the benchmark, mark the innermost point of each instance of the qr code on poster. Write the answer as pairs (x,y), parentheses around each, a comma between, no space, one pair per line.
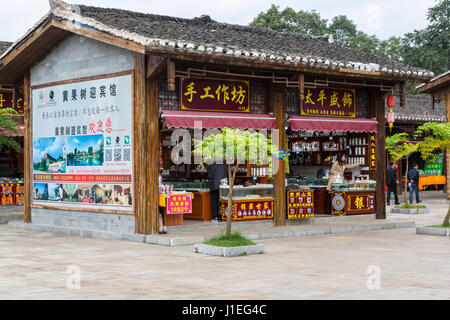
(108,155)
(117,155)
(126,154)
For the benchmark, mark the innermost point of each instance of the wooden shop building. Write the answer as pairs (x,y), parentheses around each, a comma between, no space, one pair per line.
(106,89)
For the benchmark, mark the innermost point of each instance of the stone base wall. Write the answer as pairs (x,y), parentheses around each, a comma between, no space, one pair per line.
(118,223)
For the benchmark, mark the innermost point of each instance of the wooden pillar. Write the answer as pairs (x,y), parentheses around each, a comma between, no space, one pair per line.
(140,145)
(278,92)
(381,156)
(447,155)
(28,145)
(153,147)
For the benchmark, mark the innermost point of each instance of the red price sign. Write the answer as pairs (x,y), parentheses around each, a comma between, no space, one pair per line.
(179,204)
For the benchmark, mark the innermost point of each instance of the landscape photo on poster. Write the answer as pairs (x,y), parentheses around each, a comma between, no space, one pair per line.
(49,155)
(40,191)
(85,150)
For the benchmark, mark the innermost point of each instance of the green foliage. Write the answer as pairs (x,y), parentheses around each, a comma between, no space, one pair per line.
(235,144)
(290,20)
(8,125)
(437,137)
(427,48)
(232,240)
(411,206)
(398,147)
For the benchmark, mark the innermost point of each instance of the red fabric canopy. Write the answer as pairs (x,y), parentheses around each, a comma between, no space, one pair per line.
(219,120)
(332,124)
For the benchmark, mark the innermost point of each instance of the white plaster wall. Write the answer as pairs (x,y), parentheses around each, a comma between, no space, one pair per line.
(77,57)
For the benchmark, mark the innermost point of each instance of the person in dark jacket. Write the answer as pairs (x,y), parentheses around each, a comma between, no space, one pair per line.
(413,179)
(391,182)
(216,173)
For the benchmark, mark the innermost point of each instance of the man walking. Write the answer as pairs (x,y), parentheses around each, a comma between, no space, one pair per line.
(413,179)
(391,181)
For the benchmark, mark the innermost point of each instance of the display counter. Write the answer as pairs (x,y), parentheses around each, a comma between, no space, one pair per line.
(11,192)
(300,203)
(249,203)
(353,198)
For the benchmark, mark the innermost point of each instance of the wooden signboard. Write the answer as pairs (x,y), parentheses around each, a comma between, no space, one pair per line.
(329,102)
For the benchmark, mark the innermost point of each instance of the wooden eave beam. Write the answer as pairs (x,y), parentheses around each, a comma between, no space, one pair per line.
(176,54)
(155,66)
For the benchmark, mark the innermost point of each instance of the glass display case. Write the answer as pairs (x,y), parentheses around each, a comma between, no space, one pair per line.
(241,192)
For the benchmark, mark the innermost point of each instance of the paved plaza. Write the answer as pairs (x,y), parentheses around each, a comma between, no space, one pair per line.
(36,265)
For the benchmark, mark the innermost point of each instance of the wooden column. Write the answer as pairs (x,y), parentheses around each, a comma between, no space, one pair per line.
(153,147)
(277,98)
(381,156)
(140,145)
(447,155)
(28,145)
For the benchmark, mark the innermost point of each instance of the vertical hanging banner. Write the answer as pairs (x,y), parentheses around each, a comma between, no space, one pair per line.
(329,102)
(372,152)
(82,143)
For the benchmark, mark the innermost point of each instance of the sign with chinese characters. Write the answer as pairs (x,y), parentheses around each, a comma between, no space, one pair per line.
(206,94)
(300,204)
(7,101)
(353,202)
(433,165)
(179,203)
(11,194)
(372,151)
(329,102)
(82,144)
(251,209)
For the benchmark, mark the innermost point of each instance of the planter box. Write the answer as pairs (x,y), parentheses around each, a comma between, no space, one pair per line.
(410,211)
(228,251)
(433,231)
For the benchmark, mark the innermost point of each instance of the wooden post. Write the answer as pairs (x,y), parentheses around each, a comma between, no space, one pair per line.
(402,94)
(447,155)
(381,156)
(280,177)
(28,145)
(153,147)
(140,145)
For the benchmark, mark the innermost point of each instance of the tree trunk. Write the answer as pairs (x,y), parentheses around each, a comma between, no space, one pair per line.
(231,177)
(447,217)
(406,183)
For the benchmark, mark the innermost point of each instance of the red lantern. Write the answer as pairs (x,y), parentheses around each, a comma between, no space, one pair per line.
(390,101)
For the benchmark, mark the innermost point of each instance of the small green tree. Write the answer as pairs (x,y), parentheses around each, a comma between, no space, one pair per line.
(8,126)
(437,138)
(235,147)
(398,148)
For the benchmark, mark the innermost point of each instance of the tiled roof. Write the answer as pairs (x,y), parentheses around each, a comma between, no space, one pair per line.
(418,108)
(206,36)
(4,46)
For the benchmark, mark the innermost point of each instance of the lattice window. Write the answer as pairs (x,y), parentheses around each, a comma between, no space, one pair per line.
(257,97)
(362,104)
(168,100)
(291,101)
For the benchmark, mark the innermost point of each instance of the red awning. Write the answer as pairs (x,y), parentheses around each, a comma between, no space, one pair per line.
(219,120)
(332,124)
(20,133)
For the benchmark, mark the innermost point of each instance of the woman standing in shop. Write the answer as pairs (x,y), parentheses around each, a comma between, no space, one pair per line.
(337,174)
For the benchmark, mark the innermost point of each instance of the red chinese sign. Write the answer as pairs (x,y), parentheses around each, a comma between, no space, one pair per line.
(179,204)
(329,102)
(373,152)
(7,101)
(206,94)
(360,203)
(249,210)
(300,204)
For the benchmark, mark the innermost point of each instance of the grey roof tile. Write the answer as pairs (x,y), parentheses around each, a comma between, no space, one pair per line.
(418,108)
